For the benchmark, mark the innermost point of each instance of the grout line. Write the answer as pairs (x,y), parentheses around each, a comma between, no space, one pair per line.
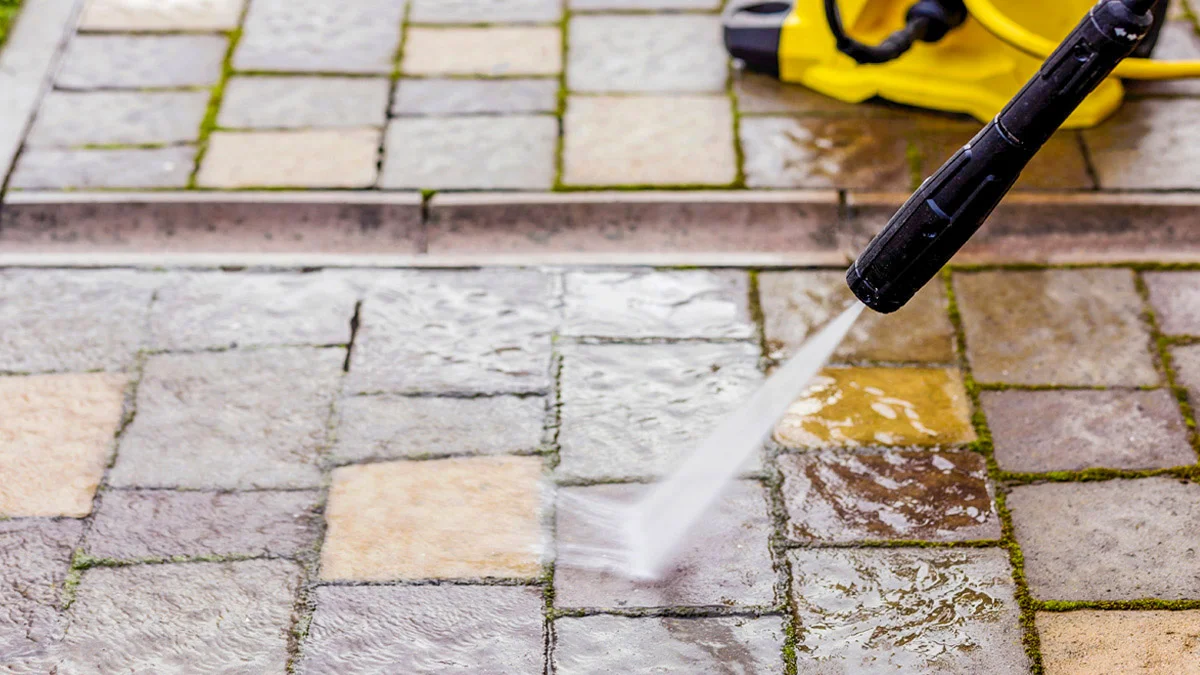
(551,434)
(1088,164)
(209,123)
(561,102)
(739,153)
(1164,358)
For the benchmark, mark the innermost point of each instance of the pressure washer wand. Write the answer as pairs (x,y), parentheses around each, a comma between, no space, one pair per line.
(952,204)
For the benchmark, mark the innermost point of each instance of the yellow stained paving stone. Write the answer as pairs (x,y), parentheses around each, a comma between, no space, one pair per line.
(438,519)
(848,407)
(56,436)
(491,50)
(1096,642)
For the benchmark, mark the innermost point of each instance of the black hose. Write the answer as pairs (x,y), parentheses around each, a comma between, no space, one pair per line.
(927,20)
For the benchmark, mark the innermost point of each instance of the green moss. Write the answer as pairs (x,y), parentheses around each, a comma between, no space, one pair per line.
(560,109)
(1162,351)
(209,123)
(1127,605)
(1190,472)
(758,316)
(739,154)
(790,639)
(8,15)
(913,154)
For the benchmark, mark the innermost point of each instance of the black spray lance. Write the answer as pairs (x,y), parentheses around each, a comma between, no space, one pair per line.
(951,204)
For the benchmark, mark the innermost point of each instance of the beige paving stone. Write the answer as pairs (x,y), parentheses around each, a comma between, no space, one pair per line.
(161,15)
(1092,642)
(533,50)
(438,519)
(326,158)
(56,435)
(827,152)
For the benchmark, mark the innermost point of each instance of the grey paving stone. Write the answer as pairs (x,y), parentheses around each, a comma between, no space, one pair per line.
(69,119)
(303,102)
(468,97)
(217,309)
(1175,297)
(198,618)
(1186,362)
(758,94)
(141,61)
(1111,540)
(816,152)
(618,644)
(611,54)
(393,427)
(460,153)
(35,554)
(353,36)
(1147,145)
(147,15)
(1035,431)
(60,320)
(484,331)
(725,562)
(90,169)
(483,50)
(429,629)
(588,5)
(141,524)
(230,420)
(1065,327)
(485,11)
(630,411)
(906,611)
(643,304)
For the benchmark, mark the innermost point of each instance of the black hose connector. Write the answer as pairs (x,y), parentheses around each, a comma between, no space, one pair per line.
(926,21)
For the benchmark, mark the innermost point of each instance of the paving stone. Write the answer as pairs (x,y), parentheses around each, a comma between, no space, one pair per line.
(429,629)
(814,152)
(1186,362)
(352,36)
(460,153)
(796,305)
(1035,431)
(303,102)
(470,97)
(618,644)
(1112,540)
(1065,327)
(148,15)
(906,610)
(588,5)
(141,524)
(1147,145)
(35,555)
(100,169)
(644,304)
(72,320)
(216,309)
(1175,297)
(630,411)
(392,427)
(1176,42)
(198,618)
(849,407)
(485,11)
(527,50)
(1059,165)
(348,158)
(681,53)
(725,562)
(762,94)
(230,420)
(1090,642)
(471,517)
(648,140)
(56,435)
(70,119)
(486,331)
(141,61)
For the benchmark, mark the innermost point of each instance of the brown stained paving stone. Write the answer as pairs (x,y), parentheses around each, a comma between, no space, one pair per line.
(814,152)
(469,97)
(69,119)
(759,94)
(429,629)
(895,495)
(201,618)
(129,168)
(146,524)
(665,53)
(725,562)
(348,159)
(644,304)
(35,555)
(492,50)
(1059,165)
(1147,145)
(1177,41)
(141,61)
(619,644)
(850,407)
(796,305)
(394,427)
(304,102)
(178,15)
(1175,297)
(438,519)
(1091,642)
(513,152)
(350,36)
(1111,540)
(230,420)
(915,611)
(56,437)
(631,411)
(1036,431)
(1064,327)
(485,11)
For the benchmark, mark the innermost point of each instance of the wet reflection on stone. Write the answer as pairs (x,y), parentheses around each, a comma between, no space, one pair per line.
(826,153)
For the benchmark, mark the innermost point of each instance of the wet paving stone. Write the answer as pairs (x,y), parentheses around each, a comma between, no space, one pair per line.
(726,562)
(618,644)
(1091,642)
(485,11)
(168,167)
(645,304)
(1059,165)
(429,629)
(796,305)
(489,51)
(1146,145)
(460,153)
(849,407)
(1111,540)
(353,36)
(142,61)
(906,610)
(303,102)
(629,411)
(814,152)
(178,15)
(485,332)
(1036,431)
(471,518)
(470,97)
(35,554)
(1175,297)
(894,495)
(56,437)
(1064,327)
(195,618)
(680,53)
(156,524)
(230,420)
(68,119)
(268,159)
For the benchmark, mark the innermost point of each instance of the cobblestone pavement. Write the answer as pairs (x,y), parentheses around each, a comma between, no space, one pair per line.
(355,471)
